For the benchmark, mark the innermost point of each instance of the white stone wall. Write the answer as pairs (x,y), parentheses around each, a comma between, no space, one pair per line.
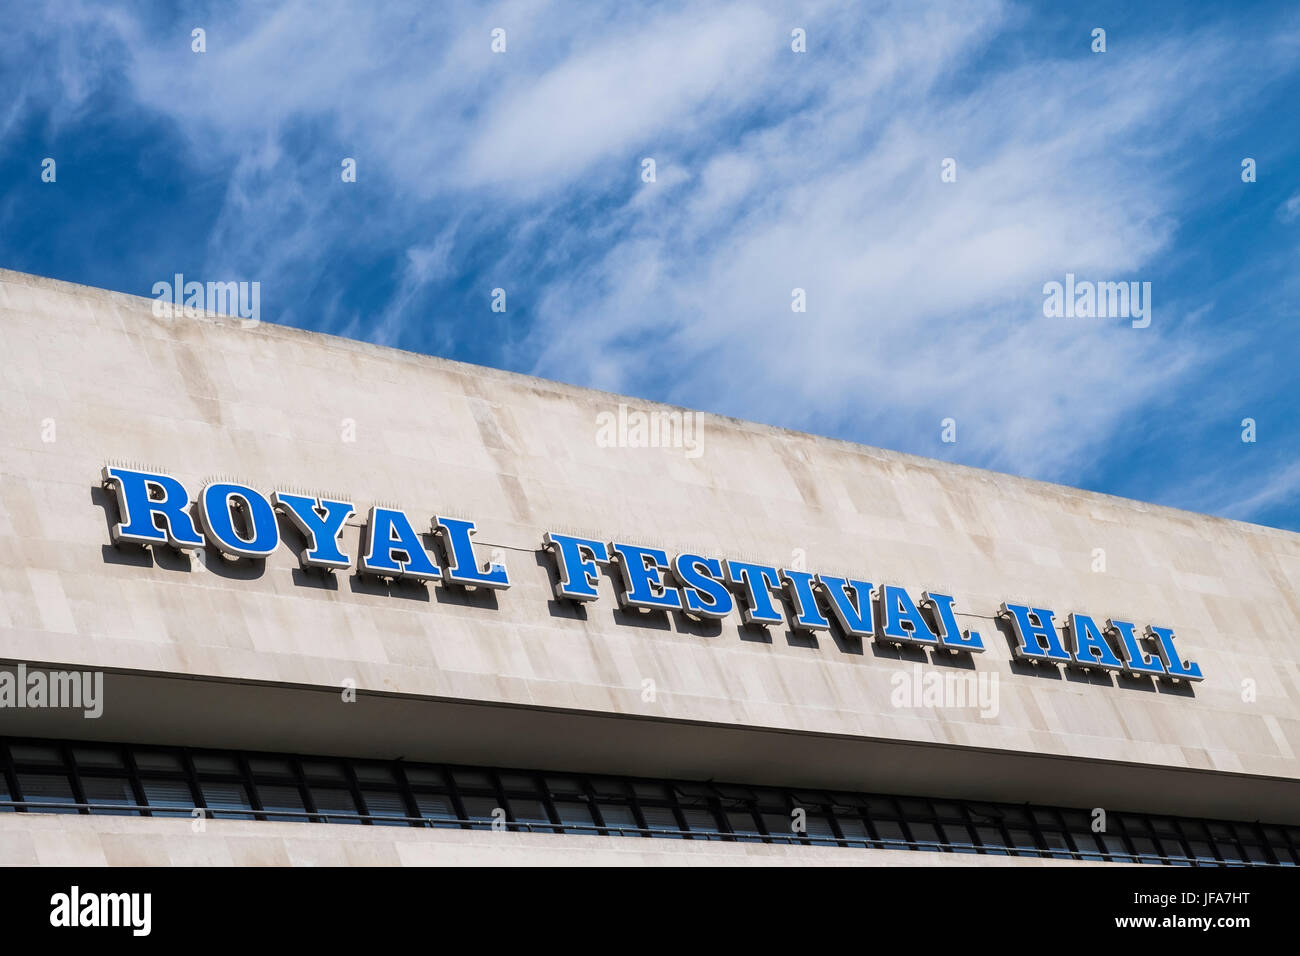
(51,840)
(268,405)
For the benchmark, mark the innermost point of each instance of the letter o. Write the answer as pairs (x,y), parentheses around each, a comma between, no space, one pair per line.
(218,521)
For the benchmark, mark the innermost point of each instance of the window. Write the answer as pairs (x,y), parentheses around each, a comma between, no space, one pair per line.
(336,804)
(992,841)
(482,810)
(620,819)
(115,791)
(662,820)
(47,789)
(168,793)
(436,806)
(384,803)
(227,796)
(852,826)
(701,824)
(892,835)
(280,797)
(42,776)
(91,757)
(925,835)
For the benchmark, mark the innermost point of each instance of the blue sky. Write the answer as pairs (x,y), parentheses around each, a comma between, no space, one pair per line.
(774,170)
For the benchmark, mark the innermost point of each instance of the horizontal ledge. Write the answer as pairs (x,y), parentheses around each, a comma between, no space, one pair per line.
(199,711)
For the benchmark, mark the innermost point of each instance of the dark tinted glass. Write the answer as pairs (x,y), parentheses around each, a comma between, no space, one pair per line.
(81,777)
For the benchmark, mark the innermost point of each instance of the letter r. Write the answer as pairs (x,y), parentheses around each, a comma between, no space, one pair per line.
(142,498)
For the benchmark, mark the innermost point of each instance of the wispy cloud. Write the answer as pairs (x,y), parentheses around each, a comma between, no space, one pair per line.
(776,170)
(1289,211)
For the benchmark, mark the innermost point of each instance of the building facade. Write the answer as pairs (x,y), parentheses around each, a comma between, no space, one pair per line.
(270,596)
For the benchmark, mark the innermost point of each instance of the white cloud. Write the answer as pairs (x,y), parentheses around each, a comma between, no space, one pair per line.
(618,91)
(924,298)
(776,170)
(1265,488)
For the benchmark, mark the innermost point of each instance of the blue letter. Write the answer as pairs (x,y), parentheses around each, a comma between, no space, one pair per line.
(950,632)
(217,504)
(1136,662)
(700,576)
(1088,645)
(897,608)
(319,520)
(856,614)
(807,616)
(643,578)
(1037,630)
(575,560)
(1172,659)
(757,607)
(389,533)
(462,569)
(138,508)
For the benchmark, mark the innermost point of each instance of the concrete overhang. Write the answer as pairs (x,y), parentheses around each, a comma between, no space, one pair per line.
(170,709)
